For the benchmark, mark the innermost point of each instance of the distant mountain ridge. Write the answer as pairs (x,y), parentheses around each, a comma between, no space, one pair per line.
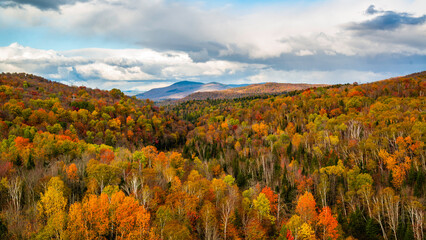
(251,90)
(182,89)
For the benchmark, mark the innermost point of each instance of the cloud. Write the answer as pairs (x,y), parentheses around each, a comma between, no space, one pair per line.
(107,67)
(172,40)
(139,70)
(388,32)
(129,87)
(388,20)
(371,10)
(210,68)
(318,77)
(111,72)
(205,32)
(305,52)
(40,4)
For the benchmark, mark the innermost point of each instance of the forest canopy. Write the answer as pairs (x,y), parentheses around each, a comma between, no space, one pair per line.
(333,162)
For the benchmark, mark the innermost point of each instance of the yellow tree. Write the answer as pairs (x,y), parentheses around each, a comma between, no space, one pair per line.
(262,205)
(51,209)
(104,174)
(293,224)
(328,179)
(305,232)
(177,162)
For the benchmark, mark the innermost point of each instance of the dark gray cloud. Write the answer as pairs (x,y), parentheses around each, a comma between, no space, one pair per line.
(387,20)
(384,62)
(41,4)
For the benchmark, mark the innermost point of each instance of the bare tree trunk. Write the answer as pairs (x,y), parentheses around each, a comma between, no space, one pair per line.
(227,208)
(342,196)
(417,218)
(367,200)
(378,216)
(15,192)
(391,203)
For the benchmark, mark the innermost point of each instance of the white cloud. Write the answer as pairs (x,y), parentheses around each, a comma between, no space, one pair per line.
(305,52)
(16,56)
(7,67)
(318,77)
(260,32)
(110,64)
(210,68)
(110,72)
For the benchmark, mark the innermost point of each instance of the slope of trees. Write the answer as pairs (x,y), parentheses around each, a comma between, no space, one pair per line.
(335,162)
(250,90)
(31,104)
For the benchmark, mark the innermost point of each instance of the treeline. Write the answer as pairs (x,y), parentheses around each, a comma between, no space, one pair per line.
(337,162)
(252,90)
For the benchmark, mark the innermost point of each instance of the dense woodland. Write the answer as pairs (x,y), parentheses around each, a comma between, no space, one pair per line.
(335,162)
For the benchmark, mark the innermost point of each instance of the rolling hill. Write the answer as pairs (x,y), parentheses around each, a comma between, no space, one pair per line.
(250,90)
(182,89)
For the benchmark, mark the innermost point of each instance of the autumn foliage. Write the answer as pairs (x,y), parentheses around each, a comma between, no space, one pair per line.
(327,162)
(306,208)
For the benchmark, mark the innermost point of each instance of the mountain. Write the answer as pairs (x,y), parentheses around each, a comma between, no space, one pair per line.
(182,89)
(250,90)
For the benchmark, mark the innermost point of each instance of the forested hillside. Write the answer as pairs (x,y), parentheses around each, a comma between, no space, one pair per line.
(335,162)
(32,104)
(250,90)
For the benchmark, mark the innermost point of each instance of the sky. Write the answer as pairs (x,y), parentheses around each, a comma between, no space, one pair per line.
(137,45)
